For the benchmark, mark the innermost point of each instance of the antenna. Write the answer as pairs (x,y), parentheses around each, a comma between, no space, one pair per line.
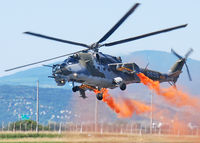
(96,115)
(37,107)
(147,63)
(151,114)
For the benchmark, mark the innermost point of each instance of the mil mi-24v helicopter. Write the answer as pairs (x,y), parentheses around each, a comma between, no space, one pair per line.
(95,70)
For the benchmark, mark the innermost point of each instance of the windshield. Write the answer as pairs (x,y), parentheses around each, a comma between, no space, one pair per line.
(71,60)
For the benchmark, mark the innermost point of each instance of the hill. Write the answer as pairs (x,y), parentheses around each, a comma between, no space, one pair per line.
(21,100)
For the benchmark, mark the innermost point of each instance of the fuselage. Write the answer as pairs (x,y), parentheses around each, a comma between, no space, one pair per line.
(92,68)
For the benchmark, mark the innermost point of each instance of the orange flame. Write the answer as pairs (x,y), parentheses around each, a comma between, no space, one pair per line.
(123,107)
(171,94)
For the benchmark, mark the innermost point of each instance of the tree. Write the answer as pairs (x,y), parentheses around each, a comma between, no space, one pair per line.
(25,125)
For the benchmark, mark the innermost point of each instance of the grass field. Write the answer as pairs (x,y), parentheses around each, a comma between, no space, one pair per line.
(46,137)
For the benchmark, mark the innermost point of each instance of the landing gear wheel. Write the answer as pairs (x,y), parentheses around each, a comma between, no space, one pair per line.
(75,88)
(99,96)
(122,86)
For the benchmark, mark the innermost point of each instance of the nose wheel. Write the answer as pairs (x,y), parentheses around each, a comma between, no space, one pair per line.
(99,96)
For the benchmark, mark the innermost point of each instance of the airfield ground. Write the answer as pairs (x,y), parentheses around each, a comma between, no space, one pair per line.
(47,137)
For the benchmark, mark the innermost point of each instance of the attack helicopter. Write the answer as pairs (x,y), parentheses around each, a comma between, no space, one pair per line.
(94,70)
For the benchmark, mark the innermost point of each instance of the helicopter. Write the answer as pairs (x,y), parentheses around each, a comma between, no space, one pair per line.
(94,70)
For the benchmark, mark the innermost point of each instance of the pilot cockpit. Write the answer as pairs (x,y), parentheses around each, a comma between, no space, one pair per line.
(71,60)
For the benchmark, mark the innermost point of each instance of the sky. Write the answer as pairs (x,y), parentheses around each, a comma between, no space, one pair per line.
(86,21)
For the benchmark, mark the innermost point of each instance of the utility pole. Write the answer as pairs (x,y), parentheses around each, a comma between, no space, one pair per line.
(151,114)
(96,115)
(37,107)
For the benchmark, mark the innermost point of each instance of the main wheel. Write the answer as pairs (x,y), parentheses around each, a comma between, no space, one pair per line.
(75,88)
(122,86)
(99,96)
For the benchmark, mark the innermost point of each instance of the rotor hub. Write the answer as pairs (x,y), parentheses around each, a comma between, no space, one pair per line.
(95,46)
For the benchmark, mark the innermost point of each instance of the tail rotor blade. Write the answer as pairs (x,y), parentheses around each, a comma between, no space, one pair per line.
(176,54)
(188,53)
(190,78)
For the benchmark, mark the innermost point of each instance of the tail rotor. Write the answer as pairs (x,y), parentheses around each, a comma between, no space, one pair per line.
(184,59)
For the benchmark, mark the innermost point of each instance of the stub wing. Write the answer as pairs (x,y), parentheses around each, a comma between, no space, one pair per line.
(125,67)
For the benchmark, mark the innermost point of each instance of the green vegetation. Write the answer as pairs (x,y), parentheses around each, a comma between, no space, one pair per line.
(25,125)
(28,135)
(29,125)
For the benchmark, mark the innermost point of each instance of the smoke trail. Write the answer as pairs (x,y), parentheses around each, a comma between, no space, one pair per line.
(179,121)
(171,94)
(173,123)
(124,107)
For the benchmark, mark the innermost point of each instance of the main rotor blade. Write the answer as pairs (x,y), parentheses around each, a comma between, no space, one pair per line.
(42,61)
(188,53)
(112,30)
(176,54)
(56,39)
(190,78)
(143,36)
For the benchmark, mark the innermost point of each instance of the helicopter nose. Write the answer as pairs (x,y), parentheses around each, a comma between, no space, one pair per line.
(62,66)
(58,71)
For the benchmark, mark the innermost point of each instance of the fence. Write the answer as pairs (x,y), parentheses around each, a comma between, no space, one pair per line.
(129,128)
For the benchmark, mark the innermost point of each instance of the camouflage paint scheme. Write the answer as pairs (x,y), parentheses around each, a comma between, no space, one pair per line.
(98,70)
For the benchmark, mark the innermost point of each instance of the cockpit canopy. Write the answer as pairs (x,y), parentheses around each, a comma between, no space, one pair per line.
(71,60)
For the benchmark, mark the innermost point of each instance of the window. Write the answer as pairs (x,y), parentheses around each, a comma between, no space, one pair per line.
(71,60)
